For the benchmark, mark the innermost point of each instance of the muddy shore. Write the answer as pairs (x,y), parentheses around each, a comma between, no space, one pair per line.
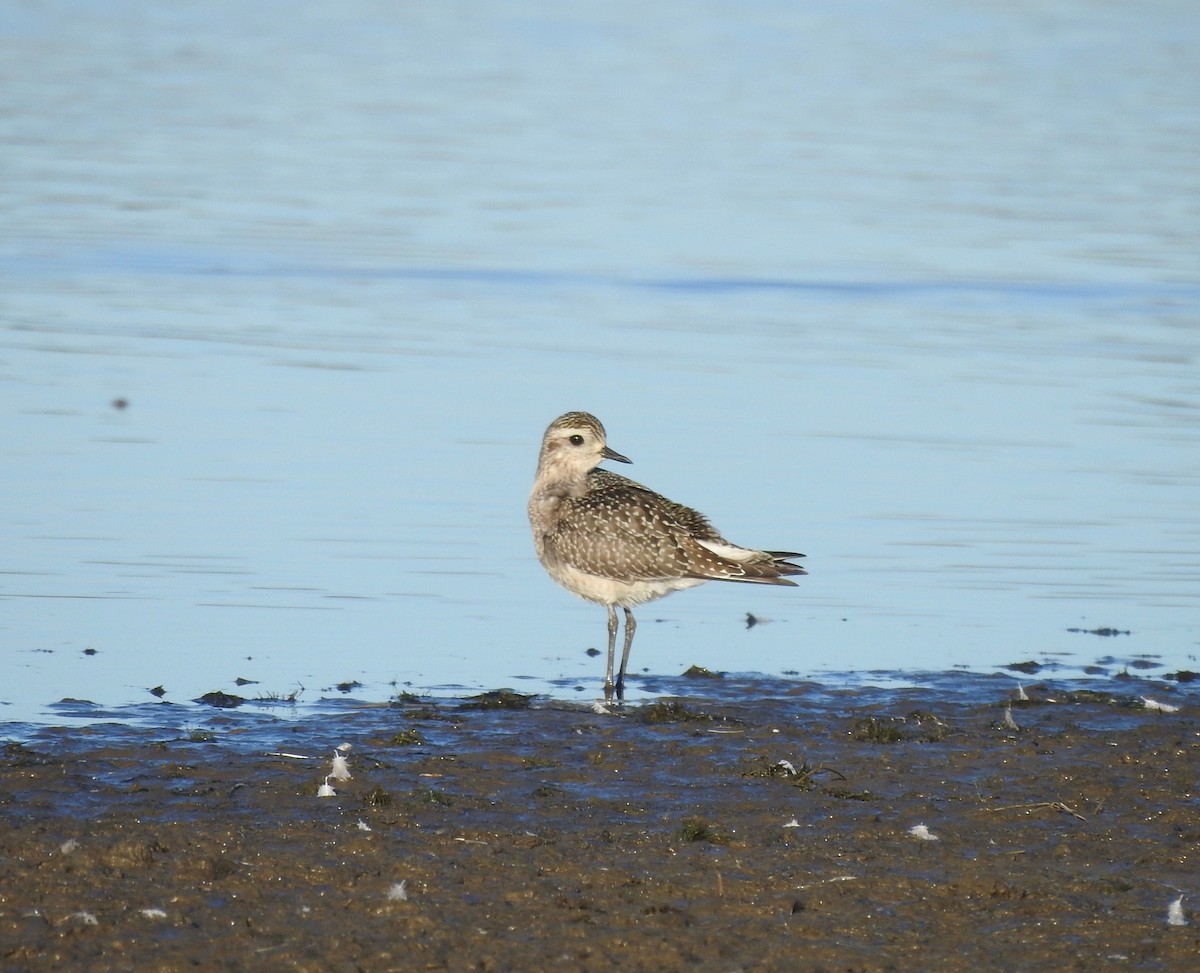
(713,831)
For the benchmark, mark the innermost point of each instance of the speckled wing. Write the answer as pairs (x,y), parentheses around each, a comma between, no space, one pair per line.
(622,530)
(692,521)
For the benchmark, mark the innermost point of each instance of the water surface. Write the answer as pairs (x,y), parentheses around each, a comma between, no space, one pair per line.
(289,295)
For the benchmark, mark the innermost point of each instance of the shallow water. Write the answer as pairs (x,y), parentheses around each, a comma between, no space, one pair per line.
(911,291)
(311,730)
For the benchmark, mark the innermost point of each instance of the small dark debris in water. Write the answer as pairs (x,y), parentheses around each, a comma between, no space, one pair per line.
(844,794)
(548,791)
(291,697)
(239,681)
(407,738)
(220,700)
(499,699)
(89,651)
(350,686)
(668,711)
(120,404)
(1144,664)
(404,696)
(201,736)
(1029,668)
(673,711)
(924,718)
(918,726)
(697,829)
(799,776)
(1183,675)
(1101,697)
(1103,632)
(699,672)
(378,798)
(1095,670)
(157,692)
(763,766)
(431,713)
(874,730)
(592,653)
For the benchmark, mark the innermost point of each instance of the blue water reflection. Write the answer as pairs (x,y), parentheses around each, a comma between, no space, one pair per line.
(908,290)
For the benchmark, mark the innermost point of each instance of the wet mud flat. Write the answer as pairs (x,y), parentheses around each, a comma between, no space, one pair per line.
(723,831)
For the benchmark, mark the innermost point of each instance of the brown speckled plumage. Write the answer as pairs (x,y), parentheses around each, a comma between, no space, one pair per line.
(615,542)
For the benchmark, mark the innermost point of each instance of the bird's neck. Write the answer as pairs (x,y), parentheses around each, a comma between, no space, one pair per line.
(556,485)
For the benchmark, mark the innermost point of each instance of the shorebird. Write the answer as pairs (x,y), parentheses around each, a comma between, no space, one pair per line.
(615,542)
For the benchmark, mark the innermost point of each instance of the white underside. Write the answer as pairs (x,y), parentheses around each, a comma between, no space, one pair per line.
(607,591)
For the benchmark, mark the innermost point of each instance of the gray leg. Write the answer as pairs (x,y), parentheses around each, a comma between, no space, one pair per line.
(612,649)
(630,628)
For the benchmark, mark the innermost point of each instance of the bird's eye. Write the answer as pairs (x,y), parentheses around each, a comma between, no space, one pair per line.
(577,440)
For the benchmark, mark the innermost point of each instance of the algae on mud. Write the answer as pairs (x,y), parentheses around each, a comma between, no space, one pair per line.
(558,836)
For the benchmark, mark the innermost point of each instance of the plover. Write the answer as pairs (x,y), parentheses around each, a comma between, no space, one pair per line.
(615,542)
